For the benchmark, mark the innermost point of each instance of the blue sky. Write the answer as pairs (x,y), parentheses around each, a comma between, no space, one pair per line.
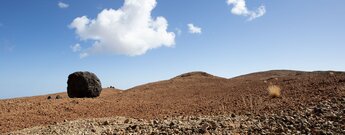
(36,40)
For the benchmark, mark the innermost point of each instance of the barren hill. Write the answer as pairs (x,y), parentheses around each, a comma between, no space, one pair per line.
(195,93)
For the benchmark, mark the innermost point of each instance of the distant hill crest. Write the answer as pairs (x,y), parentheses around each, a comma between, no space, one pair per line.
(195,74)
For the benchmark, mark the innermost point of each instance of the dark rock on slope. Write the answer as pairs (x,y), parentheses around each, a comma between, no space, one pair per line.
(83,84)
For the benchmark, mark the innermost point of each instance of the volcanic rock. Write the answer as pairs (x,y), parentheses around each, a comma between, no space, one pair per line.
(58,97)
(83,84)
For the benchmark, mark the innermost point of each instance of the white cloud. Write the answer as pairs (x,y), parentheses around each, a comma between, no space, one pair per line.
(194,29)
(129,30)
(76,48)
(63,5)
(239,8)
(83,55)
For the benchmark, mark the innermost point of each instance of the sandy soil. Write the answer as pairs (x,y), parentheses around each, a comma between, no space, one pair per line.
(190,94)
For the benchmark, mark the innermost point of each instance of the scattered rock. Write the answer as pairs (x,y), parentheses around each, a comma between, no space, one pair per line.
(323,117)
(49,97)
(283,122)
(213,124)
(58,97)
(317,110)
(106,122)
(204,127)
(126,121)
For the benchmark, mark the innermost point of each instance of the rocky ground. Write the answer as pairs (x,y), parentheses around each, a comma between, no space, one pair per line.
(310,102)
(324,118)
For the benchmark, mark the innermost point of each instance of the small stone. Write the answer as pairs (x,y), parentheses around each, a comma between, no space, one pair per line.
(290,126)
(203,128)
(171,124)
(243,126)
(134,127)
(214,125)
(58,97)
(318,110)
(93,130)
(320,132)
(106,122)
(155,122)
(126,121)
(232,126)
(222,124)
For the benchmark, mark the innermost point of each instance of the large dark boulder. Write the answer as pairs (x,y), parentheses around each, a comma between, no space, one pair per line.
(83,85)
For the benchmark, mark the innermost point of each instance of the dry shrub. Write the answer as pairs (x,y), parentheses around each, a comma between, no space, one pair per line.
(274,91)
(331,73)
(251,103)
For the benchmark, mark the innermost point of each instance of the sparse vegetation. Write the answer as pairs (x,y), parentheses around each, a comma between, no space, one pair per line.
(274,91)
(252,103)
(331,73)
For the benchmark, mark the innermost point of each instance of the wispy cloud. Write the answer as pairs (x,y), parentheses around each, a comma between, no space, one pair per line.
(240,8)
(178,31)
(194,29)
(83,55)
(63,5)
(76,48)
(130,30)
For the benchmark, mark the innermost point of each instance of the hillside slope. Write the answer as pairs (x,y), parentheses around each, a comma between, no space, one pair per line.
(195,93)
